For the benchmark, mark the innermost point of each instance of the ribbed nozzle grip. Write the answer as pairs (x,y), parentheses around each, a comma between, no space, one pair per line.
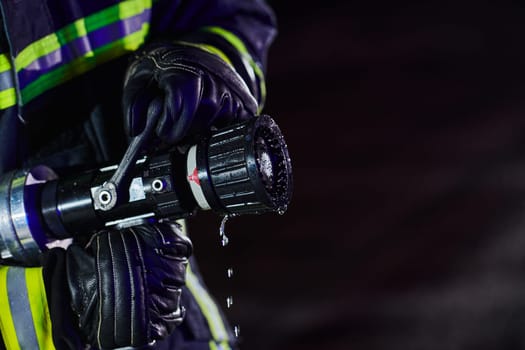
(235,177)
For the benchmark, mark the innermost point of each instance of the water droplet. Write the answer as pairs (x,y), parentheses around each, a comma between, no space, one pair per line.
(229,301)
(229,272)
(282,210)
(237,331)
(224,239)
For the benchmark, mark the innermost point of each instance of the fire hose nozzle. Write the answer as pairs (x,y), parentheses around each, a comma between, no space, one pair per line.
(241,169)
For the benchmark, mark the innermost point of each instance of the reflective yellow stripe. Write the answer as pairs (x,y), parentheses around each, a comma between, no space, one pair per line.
(7,98)
(245,54)
(53,42)
(134,40)
(74,30)
(207,305)
(5,64)
(130,8)
(23,289)
(7,90)
(208,308)
(81,65)
(219,346)
(39,309)
(7,326)
(39,48)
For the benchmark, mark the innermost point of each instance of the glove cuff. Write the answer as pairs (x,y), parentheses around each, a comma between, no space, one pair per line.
(232,49)
(225,45)
(193,55)
(66,334)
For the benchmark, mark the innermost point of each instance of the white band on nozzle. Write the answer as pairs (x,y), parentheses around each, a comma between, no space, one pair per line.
(192,176)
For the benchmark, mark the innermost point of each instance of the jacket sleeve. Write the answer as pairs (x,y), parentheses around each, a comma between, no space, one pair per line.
(240,32)
(35,306)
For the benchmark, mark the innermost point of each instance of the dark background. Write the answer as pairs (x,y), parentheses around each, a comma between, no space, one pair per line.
(406,128)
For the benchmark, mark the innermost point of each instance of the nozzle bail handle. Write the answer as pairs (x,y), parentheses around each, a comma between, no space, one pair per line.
(115,190)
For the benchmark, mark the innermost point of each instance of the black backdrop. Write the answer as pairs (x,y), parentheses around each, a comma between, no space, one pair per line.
(405,123)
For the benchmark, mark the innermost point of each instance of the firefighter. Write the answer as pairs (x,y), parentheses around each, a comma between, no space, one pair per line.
(78,79)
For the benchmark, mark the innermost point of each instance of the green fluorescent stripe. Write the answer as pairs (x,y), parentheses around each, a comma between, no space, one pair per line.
(116,13)
(77,29)
(230,37)
(81,65)
(239,45)
(207,306)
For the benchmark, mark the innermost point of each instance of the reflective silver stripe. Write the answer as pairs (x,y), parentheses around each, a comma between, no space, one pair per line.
(7,85)
(6,73)
(6,80)
(20,308)
(219,346)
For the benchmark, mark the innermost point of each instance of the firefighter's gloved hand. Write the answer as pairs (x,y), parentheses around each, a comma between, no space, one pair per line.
(125,286)
(197,90)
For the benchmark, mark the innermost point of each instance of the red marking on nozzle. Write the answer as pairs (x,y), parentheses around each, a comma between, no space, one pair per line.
(194,177)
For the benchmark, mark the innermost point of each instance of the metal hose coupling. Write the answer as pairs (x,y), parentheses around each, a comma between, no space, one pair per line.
(22,232)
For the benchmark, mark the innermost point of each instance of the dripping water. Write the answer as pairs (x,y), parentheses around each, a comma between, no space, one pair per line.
(237,331)
(229,271)
(229,302)
(222,234)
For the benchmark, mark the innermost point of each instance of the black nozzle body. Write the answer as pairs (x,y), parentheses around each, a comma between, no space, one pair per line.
(248,168)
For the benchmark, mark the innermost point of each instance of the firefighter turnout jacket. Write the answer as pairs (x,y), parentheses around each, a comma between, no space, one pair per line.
(62,64)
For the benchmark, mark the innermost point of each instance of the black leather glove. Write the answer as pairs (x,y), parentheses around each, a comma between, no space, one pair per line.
(197,89)
(125,286)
